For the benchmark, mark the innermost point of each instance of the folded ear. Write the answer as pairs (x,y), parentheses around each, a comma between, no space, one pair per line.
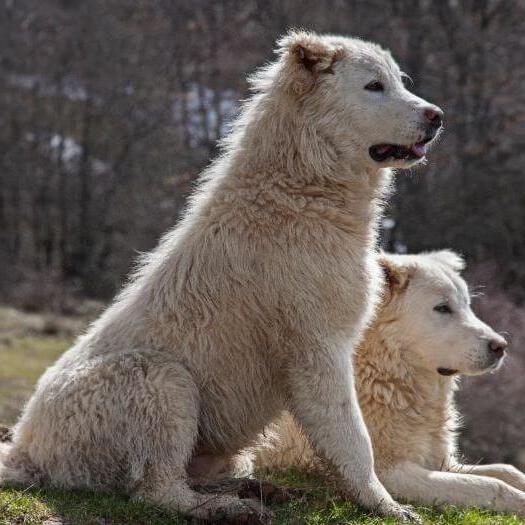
(449,258)
(307,57)
(397,276)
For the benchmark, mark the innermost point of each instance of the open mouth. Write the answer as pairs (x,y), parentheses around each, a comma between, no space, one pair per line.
(446,371)
(383,152)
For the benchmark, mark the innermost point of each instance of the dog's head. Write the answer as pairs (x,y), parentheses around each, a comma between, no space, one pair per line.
(429,303)
(358,91)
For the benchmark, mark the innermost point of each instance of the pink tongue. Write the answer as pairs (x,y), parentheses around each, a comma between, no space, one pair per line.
(419,150)
(382,149)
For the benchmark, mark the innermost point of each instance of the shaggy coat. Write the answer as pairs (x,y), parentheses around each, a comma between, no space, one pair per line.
(408,406)
(251,305)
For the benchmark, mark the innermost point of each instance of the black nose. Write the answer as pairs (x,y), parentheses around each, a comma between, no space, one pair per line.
(434,116)
(498,346)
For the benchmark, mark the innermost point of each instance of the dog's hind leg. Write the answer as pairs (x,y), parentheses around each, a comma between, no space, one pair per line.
(419,485)
(177,495)
(171,403)
(125,422)
(167,484)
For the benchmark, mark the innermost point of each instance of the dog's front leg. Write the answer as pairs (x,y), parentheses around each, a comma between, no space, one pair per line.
(324,401)
(506,473)
(419,485)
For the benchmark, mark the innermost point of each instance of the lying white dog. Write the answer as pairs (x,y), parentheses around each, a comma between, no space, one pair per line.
(425,335)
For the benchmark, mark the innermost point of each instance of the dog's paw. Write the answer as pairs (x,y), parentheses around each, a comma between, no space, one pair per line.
(244,512)
(403,513)
(410,515)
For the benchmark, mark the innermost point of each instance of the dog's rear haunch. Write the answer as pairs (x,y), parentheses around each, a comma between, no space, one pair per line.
(251,305)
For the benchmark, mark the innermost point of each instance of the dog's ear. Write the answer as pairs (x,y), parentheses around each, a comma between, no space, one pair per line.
(307,56)
(449,258)
(397,276)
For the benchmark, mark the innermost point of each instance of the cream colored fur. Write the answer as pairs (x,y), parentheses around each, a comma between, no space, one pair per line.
(407,405)
(251,305)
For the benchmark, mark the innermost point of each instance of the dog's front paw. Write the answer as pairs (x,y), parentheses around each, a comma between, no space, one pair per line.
(403,513)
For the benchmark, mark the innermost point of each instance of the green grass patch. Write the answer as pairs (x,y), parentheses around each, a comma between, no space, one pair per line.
(29,343)
(24,358)
(317,505)
(36,507)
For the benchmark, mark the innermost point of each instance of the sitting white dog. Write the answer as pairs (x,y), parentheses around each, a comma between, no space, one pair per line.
(424,336)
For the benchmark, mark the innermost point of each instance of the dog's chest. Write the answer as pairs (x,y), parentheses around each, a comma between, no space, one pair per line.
(433,434)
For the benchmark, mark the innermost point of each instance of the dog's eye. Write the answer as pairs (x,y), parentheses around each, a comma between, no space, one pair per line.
(375,86)
(407,81)
(443,308)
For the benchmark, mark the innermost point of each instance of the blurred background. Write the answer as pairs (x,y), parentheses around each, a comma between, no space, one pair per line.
(111,108)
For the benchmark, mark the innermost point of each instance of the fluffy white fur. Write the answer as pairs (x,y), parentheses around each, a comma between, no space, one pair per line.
(251,305)
(406,403)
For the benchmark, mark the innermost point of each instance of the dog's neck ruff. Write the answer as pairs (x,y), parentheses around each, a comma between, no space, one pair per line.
(278,152)
(382,358)
(395,395)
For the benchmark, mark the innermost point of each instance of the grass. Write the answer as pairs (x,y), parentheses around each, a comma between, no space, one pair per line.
(28,346)
(316,506)
(25,352)
(76,507)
